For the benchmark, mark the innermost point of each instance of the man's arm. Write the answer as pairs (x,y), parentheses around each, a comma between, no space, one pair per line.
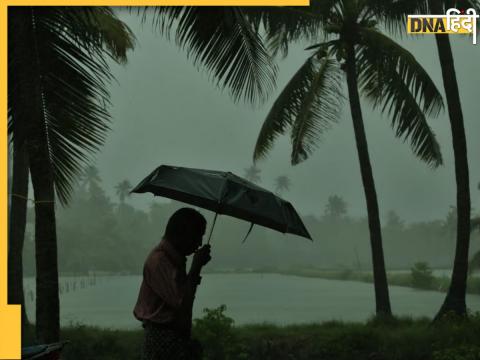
(183,321)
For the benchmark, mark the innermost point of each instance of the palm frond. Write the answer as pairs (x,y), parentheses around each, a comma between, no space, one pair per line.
(307,104)
(390,56)
(224,42)
(72,74)
(319,109)
(103,30)
(394,81)
(284,25)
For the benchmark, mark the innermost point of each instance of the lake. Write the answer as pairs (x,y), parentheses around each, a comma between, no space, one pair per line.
(250,298)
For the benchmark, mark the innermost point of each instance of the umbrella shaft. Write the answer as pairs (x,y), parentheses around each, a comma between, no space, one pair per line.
(211,230)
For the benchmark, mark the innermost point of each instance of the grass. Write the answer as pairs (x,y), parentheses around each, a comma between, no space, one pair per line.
(393,339)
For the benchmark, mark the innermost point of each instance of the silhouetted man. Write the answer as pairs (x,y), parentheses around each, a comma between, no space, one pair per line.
(167,292)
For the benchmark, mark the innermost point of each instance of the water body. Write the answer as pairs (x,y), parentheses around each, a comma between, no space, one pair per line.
(250,298)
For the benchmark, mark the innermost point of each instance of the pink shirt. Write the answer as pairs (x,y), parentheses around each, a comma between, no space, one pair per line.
(162,289)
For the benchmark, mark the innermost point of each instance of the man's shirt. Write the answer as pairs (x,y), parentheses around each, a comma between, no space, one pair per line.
(163,285)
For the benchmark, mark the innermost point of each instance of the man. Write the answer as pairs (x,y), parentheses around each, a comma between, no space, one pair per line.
(167,292)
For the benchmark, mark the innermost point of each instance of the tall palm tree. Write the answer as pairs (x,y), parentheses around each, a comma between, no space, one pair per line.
(222,41)
(57,95)
(90,177)
(16,229)
(252,174)
(123,190)
(282,183)
(375,65)
(397,11)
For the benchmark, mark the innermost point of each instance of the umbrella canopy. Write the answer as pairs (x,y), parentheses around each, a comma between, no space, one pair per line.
(224,193)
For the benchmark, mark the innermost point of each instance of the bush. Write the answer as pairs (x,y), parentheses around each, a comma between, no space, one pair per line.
(215,332)
(464,352)
(422,277)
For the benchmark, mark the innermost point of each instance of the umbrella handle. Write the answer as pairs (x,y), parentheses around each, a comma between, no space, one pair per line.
(211,230)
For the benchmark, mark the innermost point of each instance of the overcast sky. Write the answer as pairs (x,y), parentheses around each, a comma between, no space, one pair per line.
(165,111)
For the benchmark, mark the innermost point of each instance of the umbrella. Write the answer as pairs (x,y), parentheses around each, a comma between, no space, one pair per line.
(224,193)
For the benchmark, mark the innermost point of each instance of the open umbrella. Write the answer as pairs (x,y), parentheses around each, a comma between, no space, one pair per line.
(224,193)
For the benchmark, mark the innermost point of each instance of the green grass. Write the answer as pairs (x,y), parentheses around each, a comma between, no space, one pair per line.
(391,339)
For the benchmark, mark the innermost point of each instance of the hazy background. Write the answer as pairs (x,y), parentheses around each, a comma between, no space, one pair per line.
(165,111)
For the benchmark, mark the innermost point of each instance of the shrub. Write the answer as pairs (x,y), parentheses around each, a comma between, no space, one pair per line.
(422,277)
(464,352)
(216,334)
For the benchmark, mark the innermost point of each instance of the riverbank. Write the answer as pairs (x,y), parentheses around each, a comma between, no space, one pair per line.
(436,283)
(395,339)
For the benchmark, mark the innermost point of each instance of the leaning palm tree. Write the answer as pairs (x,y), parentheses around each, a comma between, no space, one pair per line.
(282,183)
(397,11)
(252,174)
(57,95)
(123,190)
(374,65)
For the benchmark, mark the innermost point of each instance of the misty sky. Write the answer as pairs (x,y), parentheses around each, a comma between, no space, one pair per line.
(165,111)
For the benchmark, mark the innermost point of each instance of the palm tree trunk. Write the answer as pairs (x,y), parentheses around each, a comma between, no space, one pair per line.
(455,299)
(382,298)
(16,235)
(47,305)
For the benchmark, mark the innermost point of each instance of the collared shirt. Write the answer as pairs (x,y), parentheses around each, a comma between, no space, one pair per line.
(162,289)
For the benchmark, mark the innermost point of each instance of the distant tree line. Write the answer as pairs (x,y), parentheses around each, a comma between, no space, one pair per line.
(98,234)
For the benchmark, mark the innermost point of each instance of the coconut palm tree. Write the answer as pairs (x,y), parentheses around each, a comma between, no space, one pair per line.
(16,229)
(90,177)
(282,183)
(252,174)
(123,190)
(374,65)
(222,41)
(397,11)
(57,96)
(336,207)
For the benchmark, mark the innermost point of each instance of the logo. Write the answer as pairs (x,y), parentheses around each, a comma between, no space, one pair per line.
(454,22)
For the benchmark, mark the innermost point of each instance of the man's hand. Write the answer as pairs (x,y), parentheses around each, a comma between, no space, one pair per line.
(201,258)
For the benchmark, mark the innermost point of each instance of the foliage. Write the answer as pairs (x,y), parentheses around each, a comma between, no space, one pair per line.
(58,75)
(123,190)
(464,352)
(87,342)
(421,274)
(93,227)
(395,339)
(336,207)
(252,174)
(216,334)
(388,75)
(223,42)
(282,183)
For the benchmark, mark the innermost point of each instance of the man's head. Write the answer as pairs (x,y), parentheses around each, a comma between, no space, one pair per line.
(185,230)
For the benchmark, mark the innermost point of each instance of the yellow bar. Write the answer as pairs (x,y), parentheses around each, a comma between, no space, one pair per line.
(9,314)
(162,3)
